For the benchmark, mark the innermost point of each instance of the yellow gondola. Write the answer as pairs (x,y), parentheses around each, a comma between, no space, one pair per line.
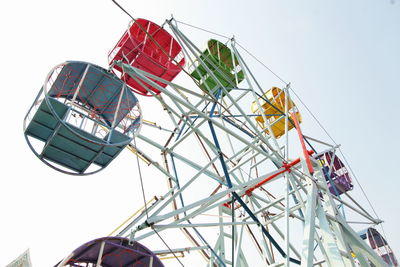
(274,109)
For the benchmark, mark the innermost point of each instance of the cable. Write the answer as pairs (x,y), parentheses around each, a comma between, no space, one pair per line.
(165,243)
(358,183)
(248,52)
(141,179)
(126,12)
(202,29)
(145,203)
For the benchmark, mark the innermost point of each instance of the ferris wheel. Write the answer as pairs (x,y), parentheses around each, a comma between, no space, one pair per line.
(245,185)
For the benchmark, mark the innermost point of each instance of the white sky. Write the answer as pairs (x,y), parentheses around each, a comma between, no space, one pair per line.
(342,58)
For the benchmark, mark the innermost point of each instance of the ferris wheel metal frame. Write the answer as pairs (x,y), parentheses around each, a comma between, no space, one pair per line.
(245,185)
(237,150)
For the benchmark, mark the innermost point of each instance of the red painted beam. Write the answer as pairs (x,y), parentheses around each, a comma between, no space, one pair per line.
(287,167)
(303,145)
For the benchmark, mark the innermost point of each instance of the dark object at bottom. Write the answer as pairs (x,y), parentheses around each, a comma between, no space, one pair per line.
(112,252)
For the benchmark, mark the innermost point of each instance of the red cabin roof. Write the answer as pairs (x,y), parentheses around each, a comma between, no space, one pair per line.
(147,46)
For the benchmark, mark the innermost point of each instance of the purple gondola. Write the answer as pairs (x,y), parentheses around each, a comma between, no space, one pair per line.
(111,252)
(339,180)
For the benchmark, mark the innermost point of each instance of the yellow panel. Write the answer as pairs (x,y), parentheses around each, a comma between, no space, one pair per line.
(276,97)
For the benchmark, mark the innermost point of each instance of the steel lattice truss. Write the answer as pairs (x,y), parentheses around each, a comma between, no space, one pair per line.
(234,190)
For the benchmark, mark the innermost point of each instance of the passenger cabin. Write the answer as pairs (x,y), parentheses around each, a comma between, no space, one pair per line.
(336,174)
(82,118)
(379,245)
(218,60)
(272,104)
(147,46)
(111,252)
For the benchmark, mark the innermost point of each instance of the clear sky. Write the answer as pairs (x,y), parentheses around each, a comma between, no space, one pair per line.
(341,57)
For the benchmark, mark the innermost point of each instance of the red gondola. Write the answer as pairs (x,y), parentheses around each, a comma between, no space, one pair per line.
(147,46)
